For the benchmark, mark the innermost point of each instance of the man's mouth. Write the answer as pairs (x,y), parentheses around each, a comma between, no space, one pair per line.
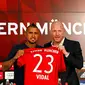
(33,39)
(57,37)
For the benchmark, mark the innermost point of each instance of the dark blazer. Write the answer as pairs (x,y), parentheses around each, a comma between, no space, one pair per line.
(74,60)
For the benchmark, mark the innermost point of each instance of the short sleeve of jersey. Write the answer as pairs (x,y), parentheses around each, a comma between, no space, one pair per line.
(62,66)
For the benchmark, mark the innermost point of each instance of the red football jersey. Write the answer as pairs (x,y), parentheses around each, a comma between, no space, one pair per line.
(42,65)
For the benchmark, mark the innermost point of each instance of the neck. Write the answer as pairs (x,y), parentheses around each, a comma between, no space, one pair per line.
(30,45)
(56,43)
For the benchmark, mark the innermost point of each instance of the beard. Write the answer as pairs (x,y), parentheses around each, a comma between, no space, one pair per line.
(31,42)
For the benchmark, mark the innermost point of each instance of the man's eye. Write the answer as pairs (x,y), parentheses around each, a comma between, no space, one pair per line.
(54,31)
(36,33)
(30,32)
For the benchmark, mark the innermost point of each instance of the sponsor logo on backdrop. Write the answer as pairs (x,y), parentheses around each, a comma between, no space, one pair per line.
(9,75)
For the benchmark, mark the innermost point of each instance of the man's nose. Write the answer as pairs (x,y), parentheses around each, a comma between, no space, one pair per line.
(33,35)
(57,33)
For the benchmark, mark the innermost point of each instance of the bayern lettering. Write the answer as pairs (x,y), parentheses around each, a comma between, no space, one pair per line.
(18,29)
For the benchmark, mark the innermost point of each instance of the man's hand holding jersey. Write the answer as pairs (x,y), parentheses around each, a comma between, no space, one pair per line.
(62,48)
(19,53)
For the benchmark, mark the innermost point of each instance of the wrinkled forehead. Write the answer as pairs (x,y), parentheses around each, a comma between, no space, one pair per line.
(57,25)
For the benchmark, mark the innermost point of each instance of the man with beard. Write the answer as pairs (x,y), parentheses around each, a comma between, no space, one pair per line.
(71,50)
(32,35)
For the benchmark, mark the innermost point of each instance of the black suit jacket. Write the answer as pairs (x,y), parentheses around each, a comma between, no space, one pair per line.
(74,60)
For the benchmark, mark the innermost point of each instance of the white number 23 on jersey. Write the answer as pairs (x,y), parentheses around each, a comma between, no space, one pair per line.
(40,61)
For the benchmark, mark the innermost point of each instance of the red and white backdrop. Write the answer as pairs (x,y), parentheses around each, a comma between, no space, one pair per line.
(16,15)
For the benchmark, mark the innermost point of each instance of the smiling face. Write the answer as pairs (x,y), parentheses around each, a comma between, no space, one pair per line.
(57,31)
(32,35)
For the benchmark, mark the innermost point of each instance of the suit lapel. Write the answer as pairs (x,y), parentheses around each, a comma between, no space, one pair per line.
(65,42)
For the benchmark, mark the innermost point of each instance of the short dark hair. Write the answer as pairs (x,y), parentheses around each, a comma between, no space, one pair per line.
(32,25)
